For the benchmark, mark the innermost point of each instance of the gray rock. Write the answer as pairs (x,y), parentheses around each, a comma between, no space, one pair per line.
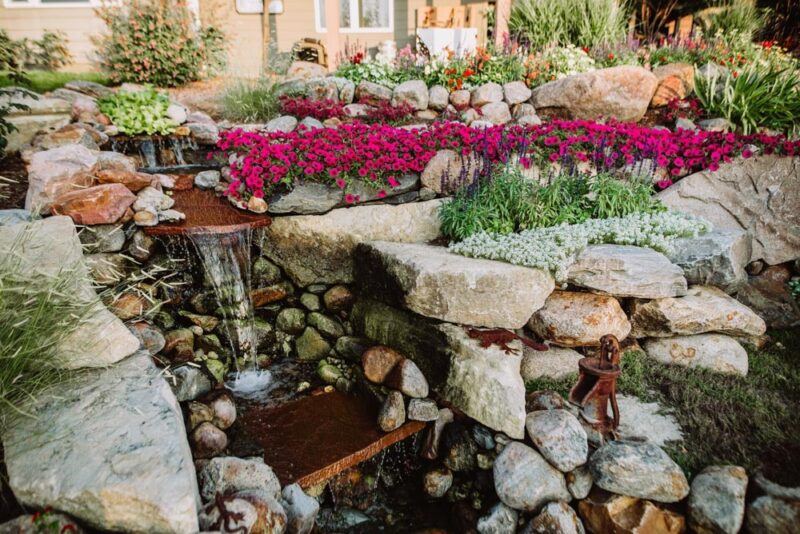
(310,301)
(347,89)
(437,482)
(171,215)
(407,183)
(103,238)
(715,125)
(519,111)
(435,283)
(141,246)
(208,441)
(446,168)
(622,92)
(224,409)
(573,319)
(301,510)
(265,273)
(556,518)
(555,363)
(319,249)
(322,88)
(640,470)
(460,99)
(357,110)
(717,258)
(500,520)
(525,481)
(228,475)
(495,113)
(702,310)
(438,98)
(579,482)
(682,123)
(54,172)
(89,88)
(150,337)
(203,132)
(291,321)
(287,123)
(647,421)
(177,113)
(311,345)
(189,382)
(712,70)
(327,326)
(717,352)
(52,247)
(306,198)
(716,502)
(486,94)
(152,199)
(42,113)
(393,412)
(529,120)
(14,216)
(207,179)
(559,437)
(626,271)
(413,93)
(516,93)
(138,477)
(422,410)
(406,377)
(372,93)
(310,123)
(769,515)
(351,347)
(760,195)
(544,400)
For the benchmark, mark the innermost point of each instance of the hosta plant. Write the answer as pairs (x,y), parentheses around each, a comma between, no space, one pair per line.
(139,112)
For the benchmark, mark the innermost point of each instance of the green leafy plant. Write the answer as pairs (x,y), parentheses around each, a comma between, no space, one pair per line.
(587,23)
(729,16)
(758,97)
(140,112)
(794,287)
(48,52)
(155,41)
(250,101)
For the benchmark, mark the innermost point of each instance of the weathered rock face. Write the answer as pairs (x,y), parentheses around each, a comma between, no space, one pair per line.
(559,437)
(413,93)
(448,168)
(101,204)
(496,113)
(717,258)
(647,421)
(319,249)
(486,94)
(57,171)
(372,94)
(435,283)
(573,319)
(716,502)
(52,247)
(438,98)
(42,114)
(516,93)
(772,515)
(139,477)
(229,475)
(710,351)
(606,512)
(556,363)
(485,384)
(626,271)
(675,80)
(768,295)
(556,517)
(305,69)
(622,92)
(640,470)
(760,195)
(301,510)
(500,520)
(703,309)
(525,481)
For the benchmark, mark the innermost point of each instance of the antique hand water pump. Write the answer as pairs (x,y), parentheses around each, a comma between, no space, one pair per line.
(597,386)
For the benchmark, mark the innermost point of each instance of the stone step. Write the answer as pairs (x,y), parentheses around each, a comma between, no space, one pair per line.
(434,283)
(107,447)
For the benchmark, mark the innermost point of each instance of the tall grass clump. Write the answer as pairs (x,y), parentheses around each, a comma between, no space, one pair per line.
(760,96)
(587,23)
(38,313)
(742,17)
(250,101)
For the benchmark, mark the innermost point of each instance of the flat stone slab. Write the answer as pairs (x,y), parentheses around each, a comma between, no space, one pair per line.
(435,283)
(311,440)
(716,352)
(107,447)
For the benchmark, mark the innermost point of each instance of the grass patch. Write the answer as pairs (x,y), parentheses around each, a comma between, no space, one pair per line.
(42,81)
(749,421)
(250,101)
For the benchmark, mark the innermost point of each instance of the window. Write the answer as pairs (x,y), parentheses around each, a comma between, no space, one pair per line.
(360,15)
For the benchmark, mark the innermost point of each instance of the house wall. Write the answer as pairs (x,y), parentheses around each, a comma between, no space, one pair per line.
(78,23)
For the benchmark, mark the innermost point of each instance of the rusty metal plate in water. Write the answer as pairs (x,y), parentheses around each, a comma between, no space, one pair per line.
(311,440)
(207,213)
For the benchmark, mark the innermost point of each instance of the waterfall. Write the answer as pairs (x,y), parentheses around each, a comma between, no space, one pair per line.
(147,151)
(225,259)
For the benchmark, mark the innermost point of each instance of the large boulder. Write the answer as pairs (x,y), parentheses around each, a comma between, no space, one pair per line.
(717,258)
(447,169)
(51,248)
(771,515)
(716,352)
(413,93)
(555,517)
(101,204)
(43,113)
(555,362)
(486,94)
(319,248)
(716,502)
(306,198)
(372,94)
(57,171)
(107,447)
(627,271)
(433,282)
(525,481)
(305,69)
(768,294)
(640,470)
(559,437)
(623,93)
(701,310)
(606,512)
(573,319)
(760,195)
(675,81)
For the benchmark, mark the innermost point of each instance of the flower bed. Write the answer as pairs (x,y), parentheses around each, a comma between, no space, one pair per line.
(262,163)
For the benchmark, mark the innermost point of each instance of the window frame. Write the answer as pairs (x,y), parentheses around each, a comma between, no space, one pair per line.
(38,4)
(353,11)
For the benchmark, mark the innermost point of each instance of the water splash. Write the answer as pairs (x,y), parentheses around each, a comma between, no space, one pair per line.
(250,384)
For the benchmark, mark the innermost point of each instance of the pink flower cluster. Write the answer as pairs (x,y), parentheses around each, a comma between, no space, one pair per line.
(316,109)
(377,154)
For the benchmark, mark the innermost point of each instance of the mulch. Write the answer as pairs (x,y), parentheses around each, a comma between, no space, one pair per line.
(15,186)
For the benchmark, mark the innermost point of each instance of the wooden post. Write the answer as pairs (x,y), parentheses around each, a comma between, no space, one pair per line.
(501,15)
(332,41)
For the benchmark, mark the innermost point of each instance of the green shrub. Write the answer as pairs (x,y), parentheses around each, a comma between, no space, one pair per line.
(49,52)
(736,16)
(760,96)
(140,112)
(508,202)
(6,127)
(154,41)
(250,101)
(587,23)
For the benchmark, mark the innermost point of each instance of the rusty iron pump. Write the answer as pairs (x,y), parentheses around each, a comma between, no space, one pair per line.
(597,386)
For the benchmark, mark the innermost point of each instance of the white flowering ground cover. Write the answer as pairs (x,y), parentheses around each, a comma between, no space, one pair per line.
(554,248)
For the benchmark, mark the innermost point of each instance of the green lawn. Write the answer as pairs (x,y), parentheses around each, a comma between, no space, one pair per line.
(751,421)
(41,81)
